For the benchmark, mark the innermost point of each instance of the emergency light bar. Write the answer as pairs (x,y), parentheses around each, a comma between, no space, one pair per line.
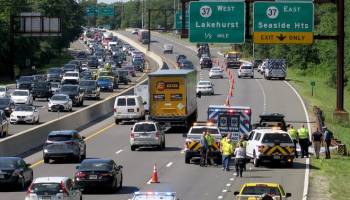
(156,193)
(203,123)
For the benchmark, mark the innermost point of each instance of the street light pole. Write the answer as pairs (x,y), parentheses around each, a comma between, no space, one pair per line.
(142,18)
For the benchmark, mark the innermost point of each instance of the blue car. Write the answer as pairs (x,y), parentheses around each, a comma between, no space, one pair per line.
(106,83)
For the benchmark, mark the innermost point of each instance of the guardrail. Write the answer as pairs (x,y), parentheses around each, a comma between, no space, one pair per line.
(34,138)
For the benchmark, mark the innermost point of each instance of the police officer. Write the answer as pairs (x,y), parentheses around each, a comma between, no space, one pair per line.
(304,141)
(210,141)
(293,133)
(204,149)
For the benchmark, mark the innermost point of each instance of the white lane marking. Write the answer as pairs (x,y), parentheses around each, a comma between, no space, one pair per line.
(118,152)
(228,184)
(220,197)
(169,164)
(149,182)
(232,179)
(264,95)
(307,168)
(224,191)
(221,54)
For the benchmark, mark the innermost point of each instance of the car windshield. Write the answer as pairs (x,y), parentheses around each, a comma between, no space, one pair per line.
(20,93)
(8,163)
(59,98)
(71,74)
(259,190)
(40,84)
(54,71)
(95,166)
(68,88)
(46,188)
(4,101)
(121,102)
(131,102)
(105,79)
(200,130)
(59,137)
(55,85)
(26,78)
(25,108)
(276,138)
(144,128)
(204,83)
(87,83)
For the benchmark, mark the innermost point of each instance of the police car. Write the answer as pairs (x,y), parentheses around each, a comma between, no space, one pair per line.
(192,142)
(154,196)
(270,144)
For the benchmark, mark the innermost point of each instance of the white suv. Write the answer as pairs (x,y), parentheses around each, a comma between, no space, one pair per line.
(147,133)
(246,70)
(53,188)
(128,108)
(271,144)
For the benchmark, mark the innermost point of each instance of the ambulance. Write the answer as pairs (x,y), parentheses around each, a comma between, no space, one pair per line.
(231,119)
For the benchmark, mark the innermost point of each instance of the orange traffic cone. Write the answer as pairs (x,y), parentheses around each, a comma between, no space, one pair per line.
(154,178)
(227,101)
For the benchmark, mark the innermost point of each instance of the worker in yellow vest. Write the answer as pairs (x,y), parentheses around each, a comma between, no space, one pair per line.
(293,133)
(210,140)
(227,148)
(304,141)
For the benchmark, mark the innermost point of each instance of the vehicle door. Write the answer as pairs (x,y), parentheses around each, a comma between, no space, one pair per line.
(256,142)
(121,107)
(131,105)
(72,192)
(26,171)
(118,171)
(4,122)
(80,141)
(250,144)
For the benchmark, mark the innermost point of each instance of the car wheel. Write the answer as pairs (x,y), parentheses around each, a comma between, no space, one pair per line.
(78,158)
(37,121)
(163,146)
(256,161)
(252,77)
(132,148)
(71,109)
(46,160)
(116,121)
(187,159)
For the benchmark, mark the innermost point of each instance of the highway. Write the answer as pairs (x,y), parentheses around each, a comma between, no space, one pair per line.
(107,140)
(46,116)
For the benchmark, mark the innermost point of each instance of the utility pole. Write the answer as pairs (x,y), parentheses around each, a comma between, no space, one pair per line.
(142,17)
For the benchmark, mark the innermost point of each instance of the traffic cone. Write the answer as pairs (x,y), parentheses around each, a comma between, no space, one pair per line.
(154,178)
(227,101)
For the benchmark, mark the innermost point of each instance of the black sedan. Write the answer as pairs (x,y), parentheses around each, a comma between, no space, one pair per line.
(99,173)
(15,172)
(7,105)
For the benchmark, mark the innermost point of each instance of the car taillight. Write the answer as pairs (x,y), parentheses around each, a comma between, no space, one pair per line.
(132,135)
(64,189)
(106,174)
(260,148)
(80,175)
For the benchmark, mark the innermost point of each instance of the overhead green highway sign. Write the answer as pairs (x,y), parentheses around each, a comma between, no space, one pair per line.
(217,22)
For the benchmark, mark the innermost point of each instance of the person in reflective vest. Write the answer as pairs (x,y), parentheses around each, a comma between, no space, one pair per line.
(203,149)
(293,133)
(227,148)
(210,141)
(304,141)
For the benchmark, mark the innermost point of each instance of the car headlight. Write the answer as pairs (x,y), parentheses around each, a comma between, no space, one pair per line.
(12,116)
(45,151)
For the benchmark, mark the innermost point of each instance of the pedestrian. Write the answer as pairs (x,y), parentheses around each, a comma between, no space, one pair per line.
(203,149)
(243,142)
(222,141)
(210,142)
(227,151)
(304,141)
(293,133)
(317,139)
(328,136)
(240,157)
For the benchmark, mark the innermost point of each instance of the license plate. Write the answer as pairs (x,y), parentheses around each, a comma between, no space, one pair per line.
(144,134)
(2,176)
(276,157)
(46,198)
(130,110)
(93,177)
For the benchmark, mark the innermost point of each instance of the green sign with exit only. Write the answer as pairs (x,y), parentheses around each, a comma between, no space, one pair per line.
(217,22)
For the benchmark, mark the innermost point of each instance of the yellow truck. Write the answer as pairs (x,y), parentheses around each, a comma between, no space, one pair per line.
(173,100)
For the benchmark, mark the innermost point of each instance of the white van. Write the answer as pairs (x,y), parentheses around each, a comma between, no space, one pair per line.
(128,108)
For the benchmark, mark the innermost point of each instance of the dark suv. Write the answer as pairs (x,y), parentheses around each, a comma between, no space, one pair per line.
(54,74)
(7,105)
(41,89)
(74,93)
(25,82)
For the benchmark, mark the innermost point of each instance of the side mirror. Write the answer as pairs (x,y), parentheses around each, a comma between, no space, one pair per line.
(236,193)
(28,165)
(77,167)
(199,94)
(288,195)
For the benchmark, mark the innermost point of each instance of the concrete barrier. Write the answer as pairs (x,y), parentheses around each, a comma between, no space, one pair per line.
(33,138)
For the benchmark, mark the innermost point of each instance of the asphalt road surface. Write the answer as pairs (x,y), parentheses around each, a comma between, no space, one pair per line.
(189,181)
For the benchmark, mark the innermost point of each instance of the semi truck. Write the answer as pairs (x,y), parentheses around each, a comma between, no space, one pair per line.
(173,99)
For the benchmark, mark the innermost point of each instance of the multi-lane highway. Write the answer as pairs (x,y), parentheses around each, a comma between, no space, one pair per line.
(107,140)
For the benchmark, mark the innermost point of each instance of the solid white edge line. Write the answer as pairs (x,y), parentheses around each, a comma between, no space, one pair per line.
(169,164)
(149,182)
(307,168)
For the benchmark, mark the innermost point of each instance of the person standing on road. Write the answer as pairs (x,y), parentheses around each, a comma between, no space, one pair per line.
(227,151)
(204,149)
(243,142)
(240,157)
(210,141)
(317,139)
(304,141)
(293,133)
(328,136)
